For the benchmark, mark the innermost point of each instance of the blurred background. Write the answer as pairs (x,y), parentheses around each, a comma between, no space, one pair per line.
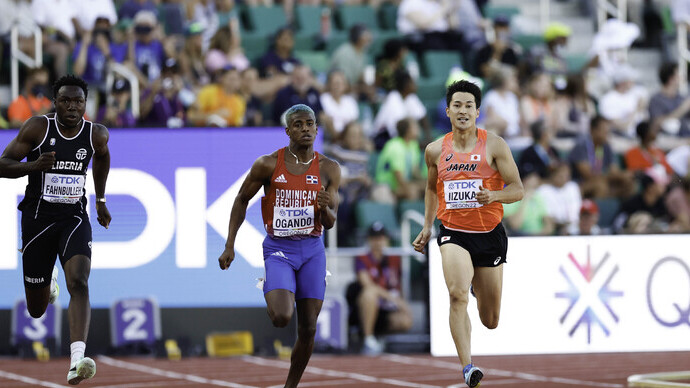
(591,97)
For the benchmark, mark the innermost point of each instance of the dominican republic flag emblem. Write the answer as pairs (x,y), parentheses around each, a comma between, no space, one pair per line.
(312,180)
(475,157)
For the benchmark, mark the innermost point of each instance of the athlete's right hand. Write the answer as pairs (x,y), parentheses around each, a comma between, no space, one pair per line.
(45,161)
(226,258)
(422,239)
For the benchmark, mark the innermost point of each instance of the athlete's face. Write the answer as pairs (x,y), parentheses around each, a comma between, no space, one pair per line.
(463,111)
(302,129)
(70,105)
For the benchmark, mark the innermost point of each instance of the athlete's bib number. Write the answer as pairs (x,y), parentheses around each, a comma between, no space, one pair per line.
(61,188)
(291,221)
(462,194)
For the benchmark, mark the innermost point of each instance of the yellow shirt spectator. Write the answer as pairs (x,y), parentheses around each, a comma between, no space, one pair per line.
(221,101)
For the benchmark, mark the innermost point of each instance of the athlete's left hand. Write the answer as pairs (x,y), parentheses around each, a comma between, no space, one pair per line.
(485,196)
(323,198)
(103,214)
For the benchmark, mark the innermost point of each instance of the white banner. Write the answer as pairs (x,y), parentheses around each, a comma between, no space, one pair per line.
(579,295)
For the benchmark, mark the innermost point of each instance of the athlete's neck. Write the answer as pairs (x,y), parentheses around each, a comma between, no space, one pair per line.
(301,155)
(464,137)
(65,128)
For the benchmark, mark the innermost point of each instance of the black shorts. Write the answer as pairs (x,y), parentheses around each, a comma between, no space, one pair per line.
(486,249)
(44,239)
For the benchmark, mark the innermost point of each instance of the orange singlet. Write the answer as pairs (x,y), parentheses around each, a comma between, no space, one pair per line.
(459,178)
(289,206)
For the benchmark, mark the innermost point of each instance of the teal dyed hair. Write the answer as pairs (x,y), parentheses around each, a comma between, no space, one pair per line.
(297,109)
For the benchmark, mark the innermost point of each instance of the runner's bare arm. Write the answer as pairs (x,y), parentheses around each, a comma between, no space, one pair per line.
(503,158)
(101,168)
(259,174)
(431,155)
(30,135)
(327,199)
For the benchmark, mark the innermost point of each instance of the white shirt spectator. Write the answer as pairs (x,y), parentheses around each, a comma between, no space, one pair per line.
(507,106)
(19,11)
(562,203)
(342,112)
(90,10)
(394,109)
(617,106)
(424,9)
(57,14)
(679,160)
(680,11)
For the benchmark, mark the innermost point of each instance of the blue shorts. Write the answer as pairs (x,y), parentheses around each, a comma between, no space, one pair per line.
(298,266)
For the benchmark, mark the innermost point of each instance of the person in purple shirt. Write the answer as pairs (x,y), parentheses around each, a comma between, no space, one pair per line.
(145,49)
(279,59)
(131,7)
(161,105)
(93,53)
(116,112)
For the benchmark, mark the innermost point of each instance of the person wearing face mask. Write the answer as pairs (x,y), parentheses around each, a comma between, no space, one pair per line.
(145,49)
(161,105)
(550,60)
(93,53)
(500,51)
(34,98)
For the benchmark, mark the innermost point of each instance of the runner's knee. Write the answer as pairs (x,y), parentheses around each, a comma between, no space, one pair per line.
(458,296)
(306,331)
(78,282)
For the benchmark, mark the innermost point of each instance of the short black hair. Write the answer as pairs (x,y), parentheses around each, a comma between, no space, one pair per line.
(642,129)
(356,32)
(402,79)
(645,181)
(596,120)
(464,86)
(403,126)
(666,71)
(70,80)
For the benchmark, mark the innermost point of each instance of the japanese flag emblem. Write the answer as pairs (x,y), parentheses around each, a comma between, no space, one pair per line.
(475,157)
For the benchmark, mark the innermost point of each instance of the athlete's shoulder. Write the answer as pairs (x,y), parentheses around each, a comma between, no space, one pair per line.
(34,128)
(265,164)
(325,161)
(434,148)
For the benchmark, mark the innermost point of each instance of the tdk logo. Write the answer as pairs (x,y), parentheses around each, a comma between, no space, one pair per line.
(296,212)
(66,180)
(462,185)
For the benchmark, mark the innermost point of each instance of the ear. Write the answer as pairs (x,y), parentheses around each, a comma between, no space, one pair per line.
(447,112)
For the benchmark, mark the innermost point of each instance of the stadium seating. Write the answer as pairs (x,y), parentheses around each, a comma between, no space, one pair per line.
(368,212)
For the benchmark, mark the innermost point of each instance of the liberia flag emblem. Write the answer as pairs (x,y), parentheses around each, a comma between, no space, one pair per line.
(312,180)
(475,157)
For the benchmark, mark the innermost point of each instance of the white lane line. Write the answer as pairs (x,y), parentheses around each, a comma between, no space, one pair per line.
(490,383)
(322,383)
(29,380)
(335,373)
(172,375)
(144,385)
(498,372)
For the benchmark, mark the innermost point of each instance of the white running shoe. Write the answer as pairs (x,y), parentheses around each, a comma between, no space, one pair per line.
(83,369)
(54,288)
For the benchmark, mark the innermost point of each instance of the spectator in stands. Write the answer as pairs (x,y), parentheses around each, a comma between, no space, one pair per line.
(116,112)
(679,159)
(351,56)
(95,51)
(58,20)
(226,12)
(399,167)
(574,108)
(204,13)
(540,157)
(550,60)
(220,104)
(668,108)
(626,104)
(301,90)
(352,150)
(226,46)
(501,51)
(130,8)
(17,13)
(562,197)
(375,300)
(338,103)
(647,155)
(254,116)
(646,211)
(608,52)
(4,124)
(34,99)
(472,24)
(587,224)
(90,11)
(192,58)
(594,164)
(145,48)
(391,60)
(161,105)
(530,216)
(500,105)
(430,25)
(279,58)
(539,102)
(399,104)
(677,202)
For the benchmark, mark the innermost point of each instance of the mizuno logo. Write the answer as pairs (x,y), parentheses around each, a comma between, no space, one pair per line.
(280,179)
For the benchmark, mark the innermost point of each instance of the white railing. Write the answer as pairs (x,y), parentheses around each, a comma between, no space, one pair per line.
(544,13)
(605,7)
(17,55)
(123,71)
(683,57)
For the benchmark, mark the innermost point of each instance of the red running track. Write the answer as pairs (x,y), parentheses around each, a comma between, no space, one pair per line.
(388,370)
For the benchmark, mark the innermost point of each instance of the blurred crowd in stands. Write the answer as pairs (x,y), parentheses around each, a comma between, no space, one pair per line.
(598,152)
